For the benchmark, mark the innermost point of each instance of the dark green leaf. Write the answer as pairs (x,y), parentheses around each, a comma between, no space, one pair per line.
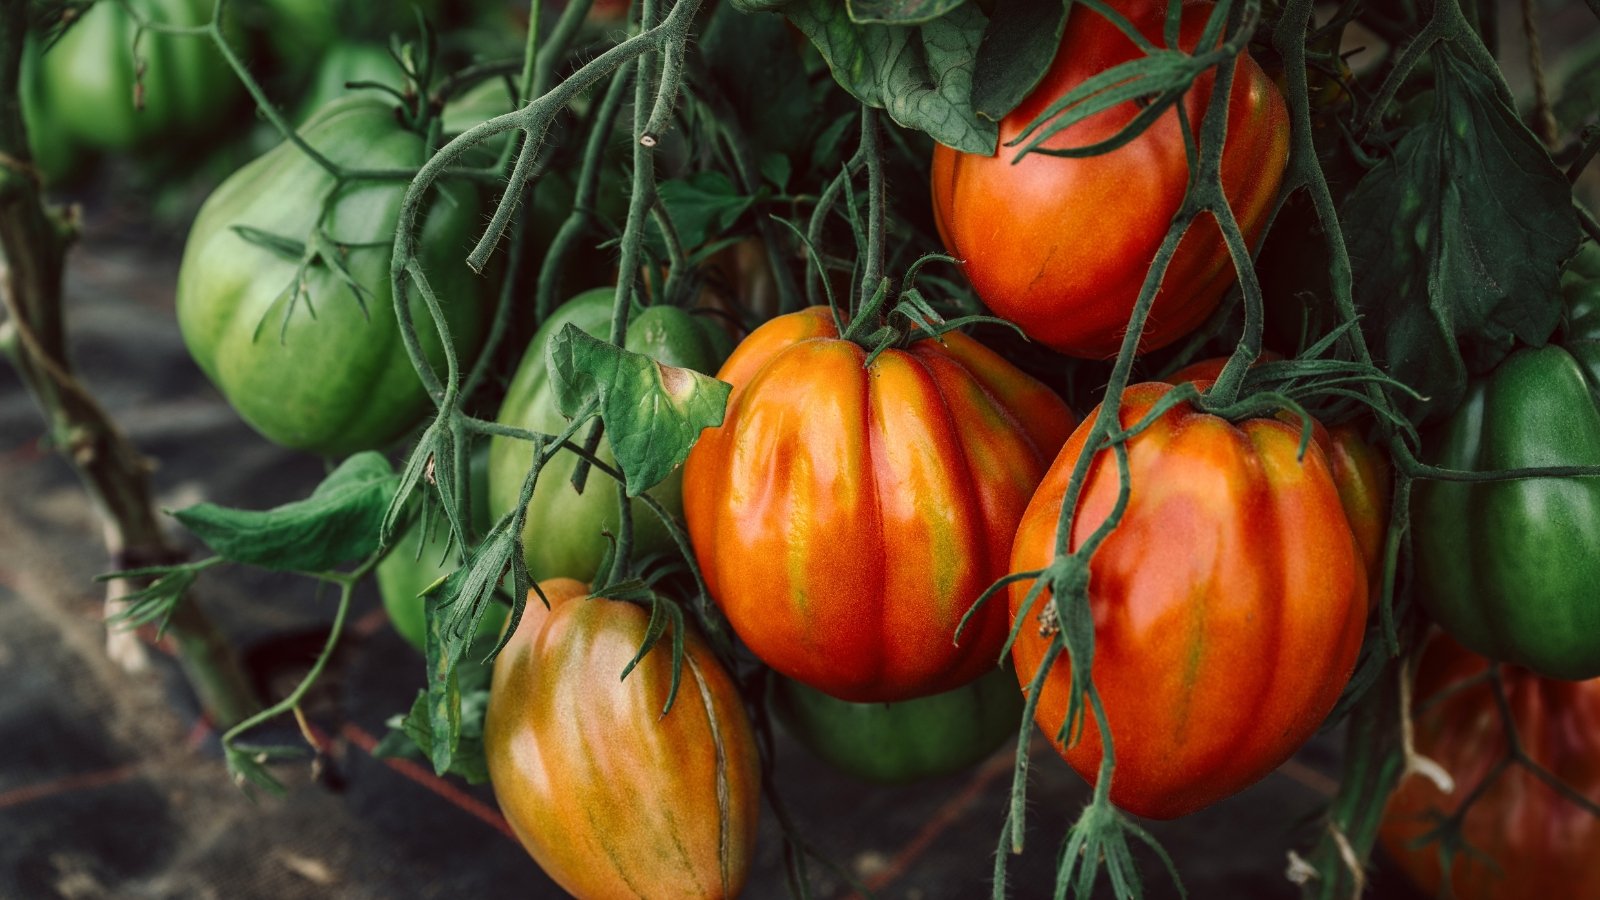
(1458,239)
(1579,99)
(702,206)
(339,522)
(776,168)
(899,12)
(756,66)
(920,74)
(653,413)
(1017,50)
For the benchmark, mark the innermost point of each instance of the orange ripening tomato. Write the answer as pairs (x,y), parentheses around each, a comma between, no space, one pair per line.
(1228,604)
(1061,245)
(1538,843)
(1360,472)
(610,797)
(846,516)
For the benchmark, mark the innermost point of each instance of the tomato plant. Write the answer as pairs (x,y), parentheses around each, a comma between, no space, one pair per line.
(1508,567)
(846,515)
(606,791)
(1061,245)
(1232,575)
(88,77)
(565,533)
(264,255)
(1525,837)
(905,741)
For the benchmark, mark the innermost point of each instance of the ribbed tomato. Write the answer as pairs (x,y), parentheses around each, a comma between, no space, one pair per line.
(610,797)
(847,515)
(1061,245)
(1535,842)
(1360,472)
(1228,604)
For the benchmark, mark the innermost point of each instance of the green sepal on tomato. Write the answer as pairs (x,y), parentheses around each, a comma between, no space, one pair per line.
(325,368)
(610,791)
(910,740)
(1509,567)
(565,531)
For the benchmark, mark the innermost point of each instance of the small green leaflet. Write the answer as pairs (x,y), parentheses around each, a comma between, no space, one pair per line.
(702,206)
(1458,239)
(339,522)
(653,413)
(920,74)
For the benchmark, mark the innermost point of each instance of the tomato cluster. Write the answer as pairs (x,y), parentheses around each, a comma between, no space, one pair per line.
(877,477)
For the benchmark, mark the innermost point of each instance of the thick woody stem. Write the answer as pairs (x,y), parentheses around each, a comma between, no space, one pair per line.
(34,241)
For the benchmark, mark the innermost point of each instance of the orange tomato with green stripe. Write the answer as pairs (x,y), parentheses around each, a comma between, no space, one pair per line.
(611,797)
(1228,604)
(846,514)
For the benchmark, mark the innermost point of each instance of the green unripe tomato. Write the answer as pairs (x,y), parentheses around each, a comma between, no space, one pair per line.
(336,378)
(88,77)
(906,741)
(1509,568)
(564,535)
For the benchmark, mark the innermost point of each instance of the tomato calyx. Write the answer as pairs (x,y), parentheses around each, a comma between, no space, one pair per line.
(912,318)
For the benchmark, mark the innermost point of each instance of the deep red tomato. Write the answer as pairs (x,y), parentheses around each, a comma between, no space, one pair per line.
(1537,842)
(1228,604)
(846,516)
(1061,245)
(612,798)
(1360,471)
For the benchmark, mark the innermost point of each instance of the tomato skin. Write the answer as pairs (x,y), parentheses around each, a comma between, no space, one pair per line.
(343,63)
(1541,844)
(1228,604)
(845,518)
(895,743)
(88,77)
(610,797)
(564,534)
(1360,471)
(1508,568)
(1061,246)
(341,381)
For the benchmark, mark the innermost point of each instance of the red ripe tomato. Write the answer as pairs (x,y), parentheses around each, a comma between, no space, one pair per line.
(1360,471)
(1228,604)
(609,796)
(1060,245)
(847,515)
(1537,842)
